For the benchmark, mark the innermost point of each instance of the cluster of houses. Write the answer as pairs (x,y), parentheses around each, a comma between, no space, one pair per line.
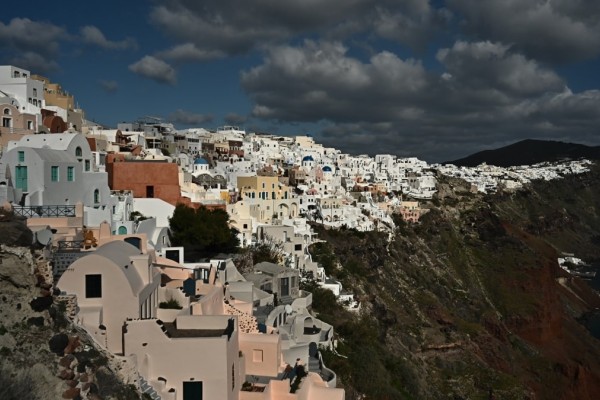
(100,201)
(488,178)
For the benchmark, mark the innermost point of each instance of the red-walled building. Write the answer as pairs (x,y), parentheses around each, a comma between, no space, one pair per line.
(147,179)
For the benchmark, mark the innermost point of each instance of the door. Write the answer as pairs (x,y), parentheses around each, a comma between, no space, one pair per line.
(21,178)
(285,287)
(192,390)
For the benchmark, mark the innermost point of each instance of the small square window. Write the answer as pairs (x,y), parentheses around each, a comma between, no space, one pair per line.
(257,355)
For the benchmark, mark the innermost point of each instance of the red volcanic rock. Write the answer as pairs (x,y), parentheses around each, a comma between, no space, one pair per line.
(71,393)
(71,383)
(66,361)
(73,345)
(66,374)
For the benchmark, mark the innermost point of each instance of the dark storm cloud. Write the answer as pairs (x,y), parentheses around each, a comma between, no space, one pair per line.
(553,30)
(486,93)
(235,119)
(30,44)
(319,81)
(189,118)
(224,25)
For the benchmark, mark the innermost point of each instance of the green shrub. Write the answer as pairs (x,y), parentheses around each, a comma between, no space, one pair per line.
(171,304)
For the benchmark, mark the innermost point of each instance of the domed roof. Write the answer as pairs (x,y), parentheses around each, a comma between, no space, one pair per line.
(201,161)
(308,158)
(327,168)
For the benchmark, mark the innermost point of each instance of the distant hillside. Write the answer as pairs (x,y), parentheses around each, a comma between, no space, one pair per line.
(529,152)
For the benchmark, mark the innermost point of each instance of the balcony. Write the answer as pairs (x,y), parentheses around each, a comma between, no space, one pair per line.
(44,211)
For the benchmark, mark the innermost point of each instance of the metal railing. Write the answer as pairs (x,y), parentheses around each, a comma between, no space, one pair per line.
(69,245)
(44,211)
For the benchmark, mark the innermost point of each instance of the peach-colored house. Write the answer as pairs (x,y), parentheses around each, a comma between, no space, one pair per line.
(205,350)
(190,358)
(115,282)
(410,211)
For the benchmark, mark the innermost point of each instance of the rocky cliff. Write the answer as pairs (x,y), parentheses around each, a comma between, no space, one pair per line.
(42,355)
(470,303)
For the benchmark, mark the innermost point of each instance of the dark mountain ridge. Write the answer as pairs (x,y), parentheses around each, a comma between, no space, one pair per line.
(528,152)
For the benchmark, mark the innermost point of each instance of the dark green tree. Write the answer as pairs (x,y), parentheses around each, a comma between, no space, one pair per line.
(202,232)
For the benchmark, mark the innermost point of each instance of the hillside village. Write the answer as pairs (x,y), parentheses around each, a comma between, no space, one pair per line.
(100,200)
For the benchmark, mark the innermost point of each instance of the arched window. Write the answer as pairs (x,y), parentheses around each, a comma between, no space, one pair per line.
(7,111)
(78,152)
(96,196)
(122,230)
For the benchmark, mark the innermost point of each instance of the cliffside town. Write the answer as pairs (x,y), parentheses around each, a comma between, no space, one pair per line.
(441,260)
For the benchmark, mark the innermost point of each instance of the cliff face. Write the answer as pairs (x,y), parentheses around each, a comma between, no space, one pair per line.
(471,303)
(43,356)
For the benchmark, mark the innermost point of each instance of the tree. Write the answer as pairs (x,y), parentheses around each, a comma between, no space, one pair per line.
(202,232)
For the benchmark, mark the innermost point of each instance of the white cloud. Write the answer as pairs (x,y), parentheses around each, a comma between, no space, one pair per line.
(94,36)
(189,52)
(157,70)
(109,86)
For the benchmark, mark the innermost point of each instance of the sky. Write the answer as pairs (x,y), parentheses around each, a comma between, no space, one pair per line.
(435,79)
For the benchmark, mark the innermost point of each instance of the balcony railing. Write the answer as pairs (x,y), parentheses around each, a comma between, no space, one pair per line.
(44,211)
(69,245)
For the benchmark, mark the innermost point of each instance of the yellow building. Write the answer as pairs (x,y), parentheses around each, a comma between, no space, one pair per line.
(262,188)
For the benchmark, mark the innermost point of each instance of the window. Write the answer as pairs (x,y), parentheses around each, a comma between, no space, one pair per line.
(232,376)
(70,174)
(172,255)
(30,125)
(7,111)
(257,355)
(150,192)
(96,196)
(93,286)
(54,173)
(298,247)
(34,92)
(6,122)
(78,152)
(87,165)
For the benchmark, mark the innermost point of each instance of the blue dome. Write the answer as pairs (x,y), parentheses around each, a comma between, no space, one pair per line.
(326,168)
(308,158)
(201,161)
